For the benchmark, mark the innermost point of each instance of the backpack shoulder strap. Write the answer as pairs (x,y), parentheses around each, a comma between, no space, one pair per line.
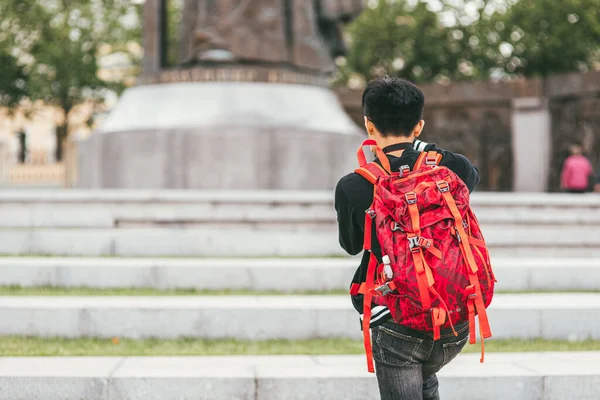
(427,158)
(371,172)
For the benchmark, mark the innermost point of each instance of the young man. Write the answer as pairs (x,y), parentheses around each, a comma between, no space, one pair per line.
(406,360)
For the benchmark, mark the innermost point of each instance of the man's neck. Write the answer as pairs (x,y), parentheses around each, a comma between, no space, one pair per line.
(384,142)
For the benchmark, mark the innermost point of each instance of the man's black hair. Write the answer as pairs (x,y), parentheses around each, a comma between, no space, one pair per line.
(394,105)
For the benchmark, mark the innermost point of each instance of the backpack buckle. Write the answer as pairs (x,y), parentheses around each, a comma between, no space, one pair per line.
(413,244)
(443,186)
(425,243)
(383,289)
(370,212)
(405,169)
(411,197)
(395,227)
(431,159)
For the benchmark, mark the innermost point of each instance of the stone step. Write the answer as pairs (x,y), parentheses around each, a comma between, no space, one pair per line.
(283,274)
(281,240)
(549,316)
(261,223)
(256,209)
(520,376)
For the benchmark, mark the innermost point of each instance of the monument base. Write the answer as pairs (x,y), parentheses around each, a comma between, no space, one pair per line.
(221,136)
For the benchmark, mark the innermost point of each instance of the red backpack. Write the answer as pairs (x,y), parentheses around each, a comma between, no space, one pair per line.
(436,269)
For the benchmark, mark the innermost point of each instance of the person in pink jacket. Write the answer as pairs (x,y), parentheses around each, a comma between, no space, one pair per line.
(577,170)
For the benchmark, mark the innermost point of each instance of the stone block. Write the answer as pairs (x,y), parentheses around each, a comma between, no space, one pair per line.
(350,388)
(271,317)
(521,376)
(569,275)
(231,242)
(182,378)
(571,322)
(491,387)
(107,208)
(63,378)
(511,277)
(282,274)
(52,388)
(572,387)
(522,322)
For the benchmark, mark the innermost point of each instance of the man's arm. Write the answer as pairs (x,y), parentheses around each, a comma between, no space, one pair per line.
(461,167)
(351,233)
(455,162)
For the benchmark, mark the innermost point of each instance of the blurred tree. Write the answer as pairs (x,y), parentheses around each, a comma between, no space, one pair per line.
(63,43)
(13,81)
(397,39)
(174,24)
(13,72)
(540,37)
(441,40)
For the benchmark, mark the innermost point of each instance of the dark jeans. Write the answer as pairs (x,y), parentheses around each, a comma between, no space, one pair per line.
(406,361)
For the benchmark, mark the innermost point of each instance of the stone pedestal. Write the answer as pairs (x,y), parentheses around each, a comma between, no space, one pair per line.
(219,135)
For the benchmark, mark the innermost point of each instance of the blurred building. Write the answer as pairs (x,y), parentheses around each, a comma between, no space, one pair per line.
(517,132)
(38,122)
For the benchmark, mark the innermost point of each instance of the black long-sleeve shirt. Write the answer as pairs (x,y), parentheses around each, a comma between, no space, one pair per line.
(354,195)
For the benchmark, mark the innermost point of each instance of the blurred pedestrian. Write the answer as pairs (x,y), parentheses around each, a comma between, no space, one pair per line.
(577,171)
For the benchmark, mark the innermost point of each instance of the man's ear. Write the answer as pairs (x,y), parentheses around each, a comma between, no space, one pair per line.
(369,127)
(419,128)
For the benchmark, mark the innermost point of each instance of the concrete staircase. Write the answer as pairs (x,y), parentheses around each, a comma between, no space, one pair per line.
(539,243)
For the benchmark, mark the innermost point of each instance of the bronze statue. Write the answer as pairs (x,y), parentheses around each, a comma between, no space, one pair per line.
(304,34)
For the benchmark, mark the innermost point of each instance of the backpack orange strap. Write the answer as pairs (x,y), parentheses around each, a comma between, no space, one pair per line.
(369,285)
(425,278)
(371,172)
(366,322)
(465,247)
(428,158)
(424,275)
(362,159)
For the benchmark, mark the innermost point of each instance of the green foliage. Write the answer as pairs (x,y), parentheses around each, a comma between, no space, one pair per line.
(396,39)
(13,81)
(174,21)
(60,44)
(494,39)
(548,36)
(13,72)
(69,44)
